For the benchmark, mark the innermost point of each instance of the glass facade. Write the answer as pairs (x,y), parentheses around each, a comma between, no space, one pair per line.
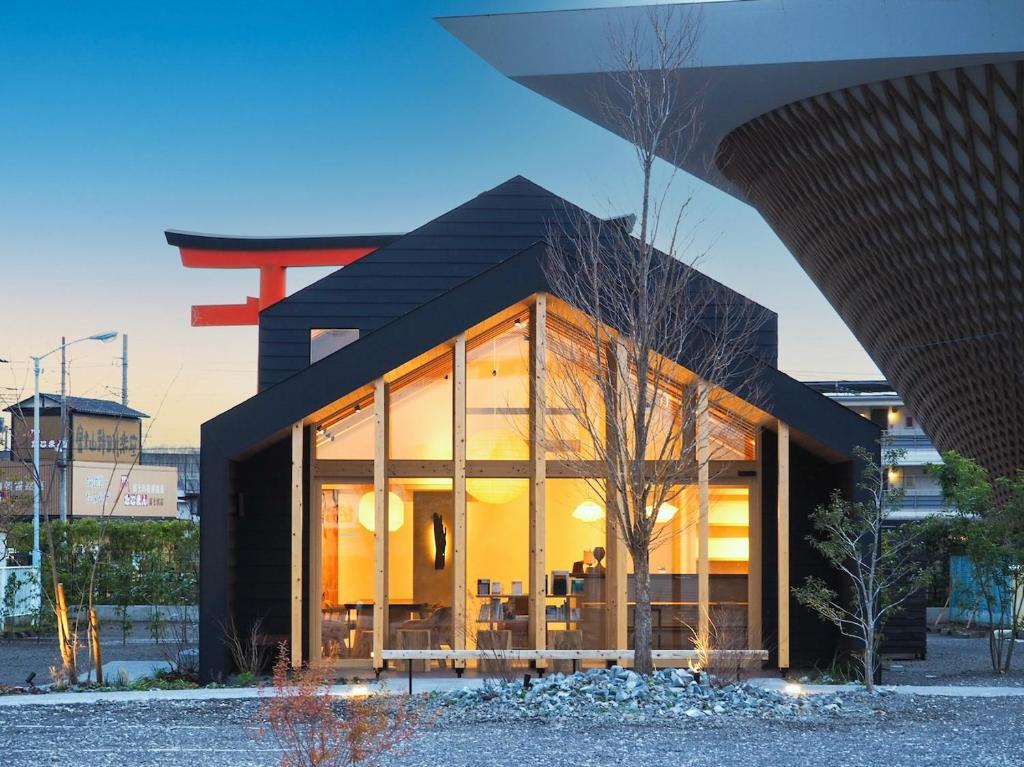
(498,392)
(498,566)
(348,434)
(346,571)
(574,555)
(420,417)
(420,568)
(576,549)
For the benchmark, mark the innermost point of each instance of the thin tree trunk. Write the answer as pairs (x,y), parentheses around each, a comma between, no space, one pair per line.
(67,643)
(94,640)
(869,666)
(642,639)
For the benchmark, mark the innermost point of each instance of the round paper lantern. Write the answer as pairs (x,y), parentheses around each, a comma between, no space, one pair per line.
(495,491)
(589,511)
(367,512)
(665,513)
(496,445)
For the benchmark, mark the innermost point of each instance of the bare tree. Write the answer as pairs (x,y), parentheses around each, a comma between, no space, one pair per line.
(647,333)
(880,564)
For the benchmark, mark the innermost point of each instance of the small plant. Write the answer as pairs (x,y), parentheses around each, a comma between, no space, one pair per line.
(246,678)
(59,677)
(162,680)
(313,730)
(248,650)
(879,564)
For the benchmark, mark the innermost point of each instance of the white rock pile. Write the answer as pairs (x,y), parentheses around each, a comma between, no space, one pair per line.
(624,694)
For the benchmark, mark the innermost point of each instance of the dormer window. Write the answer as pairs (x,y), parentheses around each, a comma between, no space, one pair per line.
(324,341)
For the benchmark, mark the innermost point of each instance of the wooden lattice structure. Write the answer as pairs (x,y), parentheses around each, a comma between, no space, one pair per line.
(903,201)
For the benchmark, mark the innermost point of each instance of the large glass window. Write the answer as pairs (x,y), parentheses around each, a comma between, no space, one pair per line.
(420,570)
(729,563)
(421,411)
(674,565)
(348,433)
(325,341)
(498,392)
(420,567)
(576,551)
(498,565)
(346,577)
(574,399)
(673,572)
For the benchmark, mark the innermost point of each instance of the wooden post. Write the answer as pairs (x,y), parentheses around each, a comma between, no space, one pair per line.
(616,579)
(702,435)
(295,640)
(380,521)
(94,640)
(783,545)
(538,472)
(617,576)
(755,640)
(459,498)
(315,588)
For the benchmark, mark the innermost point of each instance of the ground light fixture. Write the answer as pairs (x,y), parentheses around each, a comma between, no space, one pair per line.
(105,337)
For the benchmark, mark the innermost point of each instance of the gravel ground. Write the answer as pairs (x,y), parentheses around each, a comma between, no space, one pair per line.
(894,731)
(956,661)
(20,657)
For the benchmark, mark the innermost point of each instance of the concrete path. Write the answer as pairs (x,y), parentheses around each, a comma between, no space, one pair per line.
(393,686)
(399,686)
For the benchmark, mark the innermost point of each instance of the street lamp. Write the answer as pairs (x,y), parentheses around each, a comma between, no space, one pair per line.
(36,485)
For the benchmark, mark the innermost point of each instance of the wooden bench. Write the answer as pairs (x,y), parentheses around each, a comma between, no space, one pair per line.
(608,656)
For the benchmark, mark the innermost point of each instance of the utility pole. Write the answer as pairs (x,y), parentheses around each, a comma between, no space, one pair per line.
(124,369)
(63,452)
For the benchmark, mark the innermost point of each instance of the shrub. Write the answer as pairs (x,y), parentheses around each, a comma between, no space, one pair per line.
(313,730)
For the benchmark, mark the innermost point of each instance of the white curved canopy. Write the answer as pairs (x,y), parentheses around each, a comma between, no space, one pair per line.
(752,56)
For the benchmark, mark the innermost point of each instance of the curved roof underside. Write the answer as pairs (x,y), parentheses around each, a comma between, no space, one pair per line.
(752,56)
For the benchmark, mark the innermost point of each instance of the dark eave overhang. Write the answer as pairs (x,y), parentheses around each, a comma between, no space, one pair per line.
(267,416)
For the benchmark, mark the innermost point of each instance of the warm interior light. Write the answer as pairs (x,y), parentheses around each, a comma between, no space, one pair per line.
(588,511)
(665,513)
(367,512)
(496,445)
(729,549)
(495,491)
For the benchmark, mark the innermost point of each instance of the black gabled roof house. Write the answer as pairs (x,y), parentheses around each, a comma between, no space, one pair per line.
(420,290)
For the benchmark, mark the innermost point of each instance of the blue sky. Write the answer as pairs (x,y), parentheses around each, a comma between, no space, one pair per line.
(118,120)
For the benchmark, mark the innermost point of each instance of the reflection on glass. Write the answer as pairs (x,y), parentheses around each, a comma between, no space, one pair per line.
(346,559)
(420,571)
(498,393)
(674,565)
(576,544)
(421,412)
(498,567)
(348,433)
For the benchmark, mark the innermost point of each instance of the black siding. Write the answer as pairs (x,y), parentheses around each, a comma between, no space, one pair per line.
(812,480)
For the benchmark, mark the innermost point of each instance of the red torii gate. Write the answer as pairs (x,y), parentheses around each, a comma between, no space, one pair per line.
(272,256)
